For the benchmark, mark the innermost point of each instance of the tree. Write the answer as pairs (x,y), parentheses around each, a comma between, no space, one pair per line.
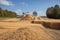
(1,12)
(56,11)
(53,12)
(6,13)
(56,6)
(49,12)
(12,14)
(23,13)
(34,13)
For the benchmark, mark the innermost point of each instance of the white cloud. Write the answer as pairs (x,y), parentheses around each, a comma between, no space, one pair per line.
(19,11)
(5,2)
(23,3)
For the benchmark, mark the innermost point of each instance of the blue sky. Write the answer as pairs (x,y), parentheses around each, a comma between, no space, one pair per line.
(20,6)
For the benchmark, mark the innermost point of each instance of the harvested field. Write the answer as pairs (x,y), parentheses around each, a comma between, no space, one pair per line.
(25,30)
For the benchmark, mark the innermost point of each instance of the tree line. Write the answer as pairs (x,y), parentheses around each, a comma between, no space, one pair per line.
(6,13)
(51,12)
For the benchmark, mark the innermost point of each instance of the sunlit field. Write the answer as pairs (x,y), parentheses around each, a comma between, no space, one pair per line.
(21,29)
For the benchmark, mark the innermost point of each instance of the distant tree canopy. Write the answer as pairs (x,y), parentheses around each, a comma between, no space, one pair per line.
(34,13)
(23,13)
(6,13)
(53,12)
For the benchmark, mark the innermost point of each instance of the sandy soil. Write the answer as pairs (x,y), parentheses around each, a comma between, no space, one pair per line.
(14,29)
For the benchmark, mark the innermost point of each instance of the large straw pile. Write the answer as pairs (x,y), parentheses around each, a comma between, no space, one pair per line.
(27,17)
